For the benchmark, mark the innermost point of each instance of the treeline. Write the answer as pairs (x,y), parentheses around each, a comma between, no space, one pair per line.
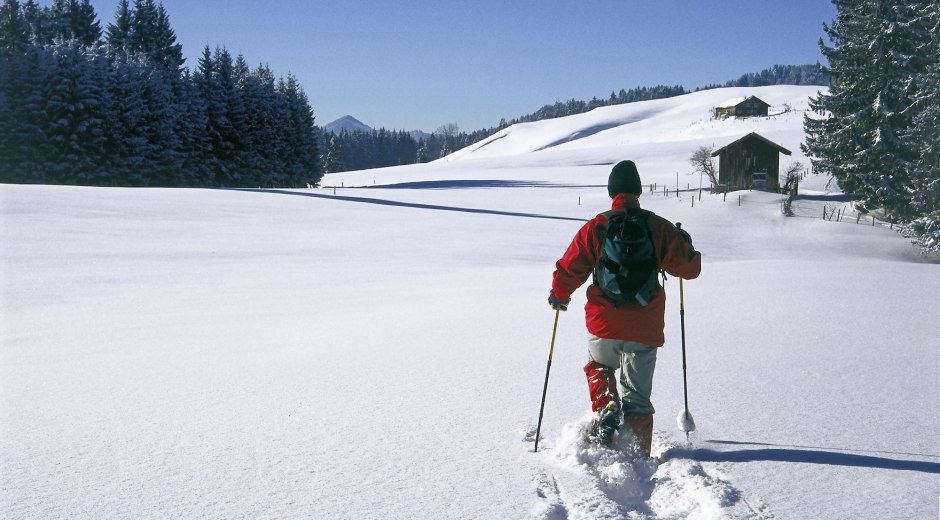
(877,129)
(116,107)
(779,75)
(574,106)
(363,150)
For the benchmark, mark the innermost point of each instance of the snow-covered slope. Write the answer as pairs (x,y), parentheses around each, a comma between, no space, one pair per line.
(380,353)
(659,135)
(621,127)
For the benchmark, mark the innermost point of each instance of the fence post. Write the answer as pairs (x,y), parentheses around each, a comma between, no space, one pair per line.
(824,212)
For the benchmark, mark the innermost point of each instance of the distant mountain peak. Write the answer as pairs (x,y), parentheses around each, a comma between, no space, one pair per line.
(348,123)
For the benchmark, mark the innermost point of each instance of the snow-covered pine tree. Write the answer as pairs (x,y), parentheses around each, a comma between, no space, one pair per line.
(71,116)
(84,23)
(230,121)
(862,136)
(97,111)
(142,37)
(267,129)
(118,33)
(195,145)
(303,156)
(128,145)
(245,87)
(162,114)
(925,199)
(334,155)
(14,32)
(38,19)
(166,52)
(205,83)
(74,20)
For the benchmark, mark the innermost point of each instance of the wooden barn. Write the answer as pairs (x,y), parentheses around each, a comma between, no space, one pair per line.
(751,106)
(750,162)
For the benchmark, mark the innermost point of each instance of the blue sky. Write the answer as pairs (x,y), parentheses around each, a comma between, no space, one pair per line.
(420,64)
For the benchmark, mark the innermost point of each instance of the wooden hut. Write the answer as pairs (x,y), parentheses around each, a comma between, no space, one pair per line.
(750,162)
(750,106)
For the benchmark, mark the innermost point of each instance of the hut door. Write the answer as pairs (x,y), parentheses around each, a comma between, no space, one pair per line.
(759,179)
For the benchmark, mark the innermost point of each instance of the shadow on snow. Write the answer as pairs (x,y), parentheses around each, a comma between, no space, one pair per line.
(474,183)
(386,202)
(800,454)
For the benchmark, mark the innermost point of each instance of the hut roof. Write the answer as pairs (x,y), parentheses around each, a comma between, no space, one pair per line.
(733,102)
(753,135)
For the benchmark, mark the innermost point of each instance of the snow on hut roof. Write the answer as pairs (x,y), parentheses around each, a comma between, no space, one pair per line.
(753,135)
(733,102)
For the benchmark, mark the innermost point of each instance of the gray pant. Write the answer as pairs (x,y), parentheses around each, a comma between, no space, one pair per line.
(637,363)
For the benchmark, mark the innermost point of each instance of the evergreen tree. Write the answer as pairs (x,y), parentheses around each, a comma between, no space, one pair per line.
(334,155)
(85,26)
(206,86)
(118,35)
(925,200)
(74,20)
(265,123)
(167,52)
(195,144)
(926,131)
(302,157)
(228,119)
(863,137)
(14,33)
(129,146)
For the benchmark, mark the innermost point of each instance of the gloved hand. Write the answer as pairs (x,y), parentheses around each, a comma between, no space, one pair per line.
(684,235)
(555,303)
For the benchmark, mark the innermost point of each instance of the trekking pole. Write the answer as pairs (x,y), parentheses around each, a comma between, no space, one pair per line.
(684,420)
(548,369)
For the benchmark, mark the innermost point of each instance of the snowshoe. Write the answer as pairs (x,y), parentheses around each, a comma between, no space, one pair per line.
(604,427)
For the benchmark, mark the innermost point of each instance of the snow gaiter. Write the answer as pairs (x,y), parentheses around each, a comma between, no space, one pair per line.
(641,426)
(602,384)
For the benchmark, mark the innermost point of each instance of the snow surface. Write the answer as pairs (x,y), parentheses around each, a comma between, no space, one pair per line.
(379,352)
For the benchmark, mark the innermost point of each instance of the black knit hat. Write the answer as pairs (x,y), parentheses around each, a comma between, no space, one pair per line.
(624,179)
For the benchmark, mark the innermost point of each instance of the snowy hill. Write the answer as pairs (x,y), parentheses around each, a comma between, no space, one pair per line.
(379,352)
(616,129)
(658,135)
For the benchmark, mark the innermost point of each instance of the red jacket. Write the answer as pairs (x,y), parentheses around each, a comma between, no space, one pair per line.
(624,322)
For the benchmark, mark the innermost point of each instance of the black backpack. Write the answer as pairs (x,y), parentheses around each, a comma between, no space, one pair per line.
(628,268)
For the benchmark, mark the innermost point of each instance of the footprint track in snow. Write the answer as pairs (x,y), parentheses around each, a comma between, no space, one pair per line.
(588,482)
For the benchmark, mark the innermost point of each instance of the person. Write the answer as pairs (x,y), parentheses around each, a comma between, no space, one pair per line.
(624,335)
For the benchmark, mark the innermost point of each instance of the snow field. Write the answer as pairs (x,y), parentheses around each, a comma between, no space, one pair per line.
(380,353)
